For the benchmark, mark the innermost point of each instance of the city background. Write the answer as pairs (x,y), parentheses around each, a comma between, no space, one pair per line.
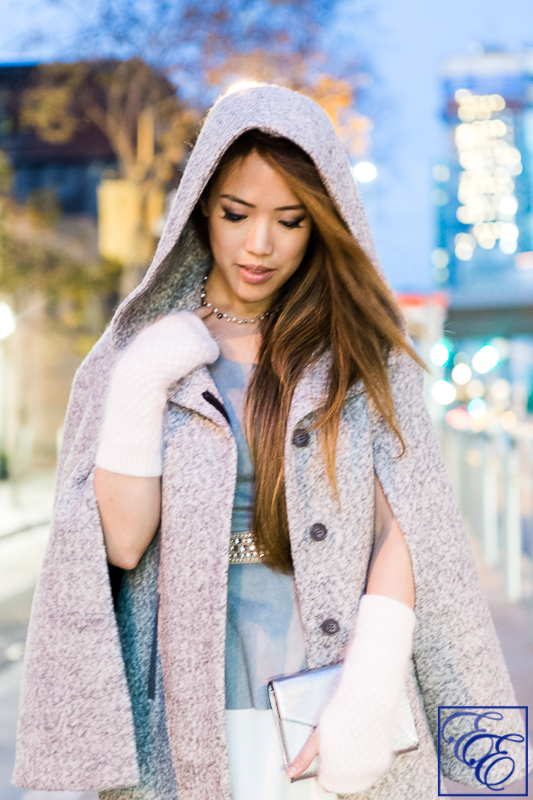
(99,108)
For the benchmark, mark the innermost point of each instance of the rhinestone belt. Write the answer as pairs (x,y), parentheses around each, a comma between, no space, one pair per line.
(242,549)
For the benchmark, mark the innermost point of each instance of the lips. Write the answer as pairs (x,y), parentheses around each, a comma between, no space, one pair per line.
(252,273)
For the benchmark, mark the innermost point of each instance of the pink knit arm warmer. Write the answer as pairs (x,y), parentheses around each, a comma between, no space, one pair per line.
(161,354)
(356,727)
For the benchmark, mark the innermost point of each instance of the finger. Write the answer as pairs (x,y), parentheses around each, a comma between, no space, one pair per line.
(304,759)
(203,312)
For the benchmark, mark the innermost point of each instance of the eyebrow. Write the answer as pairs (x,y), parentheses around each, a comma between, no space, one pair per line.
(250,205)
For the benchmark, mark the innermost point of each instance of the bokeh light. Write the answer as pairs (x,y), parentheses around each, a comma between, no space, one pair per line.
(508,420)
(440,258)
(238,87)
(461,374)
(500,390)
(443,392)
(439,354)
(364,172)
(474,457)
(477,407)
(441,173)
(7,321)
(475,388)
(489,162)
(485,359)
(502,346)
(458,419)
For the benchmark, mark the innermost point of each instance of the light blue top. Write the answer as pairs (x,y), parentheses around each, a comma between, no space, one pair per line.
(263,629)
(231,380)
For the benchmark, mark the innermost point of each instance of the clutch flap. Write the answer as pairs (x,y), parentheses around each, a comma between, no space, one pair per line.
(298,701)
(301,698)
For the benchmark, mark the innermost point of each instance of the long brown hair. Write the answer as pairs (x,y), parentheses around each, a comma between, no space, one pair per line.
(335,302)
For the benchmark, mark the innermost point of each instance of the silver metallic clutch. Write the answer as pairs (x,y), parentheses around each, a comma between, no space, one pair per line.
(298,701)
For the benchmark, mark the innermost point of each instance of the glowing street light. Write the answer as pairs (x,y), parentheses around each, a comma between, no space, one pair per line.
(439,354)
(364,172)
(7,321)
(477,408)
(461,374)
(238,87)
(443,392)
(485,359)
(7,326)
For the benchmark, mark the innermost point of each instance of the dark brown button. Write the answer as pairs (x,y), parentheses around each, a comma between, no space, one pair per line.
(330,626)
(301,438)
(318,532)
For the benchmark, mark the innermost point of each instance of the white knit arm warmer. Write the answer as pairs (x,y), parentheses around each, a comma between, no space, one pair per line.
(162,353)
(356,726)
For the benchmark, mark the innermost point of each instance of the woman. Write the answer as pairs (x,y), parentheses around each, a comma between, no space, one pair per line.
(269,230)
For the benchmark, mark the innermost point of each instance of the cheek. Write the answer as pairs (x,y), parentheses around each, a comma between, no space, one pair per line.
(295,249)
(223,240)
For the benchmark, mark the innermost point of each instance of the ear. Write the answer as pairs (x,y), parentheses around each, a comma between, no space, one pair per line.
(203,206)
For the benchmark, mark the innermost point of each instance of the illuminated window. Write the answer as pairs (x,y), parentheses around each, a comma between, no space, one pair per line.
(489,162)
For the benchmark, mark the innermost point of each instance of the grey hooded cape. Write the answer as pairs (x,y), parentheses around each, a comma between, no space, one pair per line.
(132,703)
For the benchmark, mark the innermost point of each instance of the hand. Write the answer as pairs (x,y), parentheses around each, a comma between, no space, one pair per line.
(159,355)
(305,757)
(168,349)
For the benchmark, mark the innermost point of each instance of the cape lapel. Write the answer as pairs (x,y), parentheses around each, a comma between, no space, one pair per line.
(310,394)
(198,393)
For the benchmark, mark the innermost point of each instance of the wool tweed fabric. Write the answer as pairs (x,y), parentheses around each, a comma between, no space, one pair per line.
(92,714)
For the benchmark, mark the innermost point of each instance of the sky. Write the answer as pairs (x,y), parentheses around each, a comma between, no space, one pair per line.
(404,42)
(408,41)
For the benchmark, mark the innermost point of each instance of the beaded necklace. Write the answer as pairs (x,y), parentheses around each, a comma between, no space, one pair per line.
(221,315)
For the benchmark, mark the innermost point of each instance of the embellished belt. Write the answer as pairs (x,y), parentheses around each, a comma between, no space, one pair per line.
(242,549)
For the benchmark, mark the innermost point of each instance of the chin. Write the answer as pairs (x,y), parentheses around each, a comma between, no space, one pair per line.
(254,294)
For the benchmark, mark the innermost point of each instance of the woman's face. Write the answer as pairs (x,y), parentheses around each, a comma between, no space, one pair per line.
(258,230)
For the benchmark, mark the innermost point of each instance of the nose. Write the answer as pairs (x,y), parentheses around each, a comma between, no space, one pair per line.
(259,241)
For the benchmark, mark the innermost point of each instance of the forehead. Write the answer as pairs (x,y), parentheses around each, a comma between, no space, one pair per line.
(254,180)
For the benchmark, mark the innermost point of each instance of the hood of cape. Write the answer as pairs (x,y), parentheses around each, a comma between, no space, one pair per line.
(173,280)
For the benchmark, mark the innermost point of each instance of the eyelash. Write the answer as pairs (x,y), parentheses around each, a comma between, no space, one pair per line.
(238,217)
(233,217)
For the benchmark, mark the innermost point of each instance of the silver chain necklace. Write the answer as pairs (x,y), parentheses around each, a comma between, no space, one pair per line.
(221,315)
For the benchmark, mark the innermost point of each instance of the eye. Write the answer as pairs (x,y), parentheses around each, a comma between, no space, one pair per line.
(233,217)
(295,224)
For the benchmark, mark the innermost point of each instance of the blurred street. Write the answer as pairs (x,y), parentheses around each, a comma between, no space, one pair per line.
(24,512)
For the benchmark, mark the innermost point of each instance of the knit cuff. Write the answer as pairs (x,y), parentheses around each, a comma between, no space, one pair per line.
(356,726)
(127,459)
(350,784)
(378,609)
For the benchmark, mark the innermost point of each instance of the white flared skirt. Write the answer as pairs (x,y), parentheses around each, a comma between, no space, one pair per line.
(256,764)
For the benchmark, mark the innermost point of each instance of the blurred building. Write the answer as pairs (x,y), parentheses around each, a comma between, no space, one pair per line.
(71,170)
(483,259)
(41,355)
(483,196)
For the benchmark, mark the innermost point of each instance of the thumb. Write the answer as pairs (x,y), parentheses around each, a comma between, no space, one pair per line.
(305,757)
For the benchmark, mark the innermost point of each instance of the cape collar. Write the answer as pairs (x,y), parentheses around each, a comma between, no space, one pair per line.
(198,390)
